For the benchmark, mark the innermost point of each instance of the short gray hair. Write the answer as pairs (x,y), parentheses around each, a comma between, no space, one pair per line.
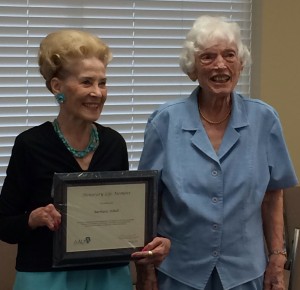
(205,30)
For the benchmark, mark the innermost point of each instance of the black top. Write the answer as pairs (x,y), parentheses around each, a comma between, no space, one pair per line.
(36,155)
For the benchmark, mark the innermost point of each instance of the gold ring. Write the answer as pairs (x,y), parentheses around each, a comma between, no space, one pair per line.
(150,253)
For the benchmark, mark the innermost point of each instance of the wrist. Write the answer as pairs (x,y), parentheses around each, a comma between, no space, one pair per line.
(278,252)
(278,258)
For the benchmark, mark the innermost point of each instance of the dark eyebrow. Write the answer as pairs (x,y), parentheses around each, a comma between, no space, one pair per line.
(92,78)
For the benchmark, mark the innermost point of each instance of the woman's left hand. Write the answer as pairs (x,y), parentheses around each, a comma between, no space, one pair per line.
(153,253)
(274,275)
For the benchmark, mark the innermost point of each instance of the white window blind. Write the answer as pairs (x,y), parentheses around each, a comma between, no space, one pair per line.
(146,39)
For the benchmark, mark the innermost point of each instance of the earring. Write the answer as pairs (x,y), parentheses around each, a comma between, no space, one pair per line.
(60,98)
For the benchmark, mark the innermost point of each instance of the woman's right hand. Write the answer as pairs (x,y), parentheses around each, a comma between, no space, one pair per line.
(45,216)
(153,253)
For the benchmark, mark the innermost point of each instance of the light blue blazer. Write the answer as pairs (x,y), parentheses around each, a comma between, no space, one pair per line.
(211,202)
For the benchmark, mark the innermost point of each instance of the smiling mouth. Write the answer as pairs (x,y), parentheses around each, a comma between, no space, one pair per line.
(91,105)
(220,78)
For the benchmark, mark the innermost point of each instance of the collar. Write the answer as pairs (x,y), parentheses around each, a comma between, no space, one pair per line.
(192,122)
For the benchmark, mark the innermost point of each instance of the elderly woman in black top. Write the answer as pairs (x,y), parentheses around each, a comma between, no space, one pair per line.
(73,63)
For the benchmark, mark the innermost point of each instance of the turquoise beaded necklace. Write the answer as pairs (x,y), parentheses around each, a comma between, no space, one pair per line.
(92,146)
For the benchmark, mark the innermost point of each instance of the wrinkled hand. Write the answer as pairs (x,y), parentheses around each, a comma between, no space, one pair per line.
(45,216)
(153,253)
(274,275)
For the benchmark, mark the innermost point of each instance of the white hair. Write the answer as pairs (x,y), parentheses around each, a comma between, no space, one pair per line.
(206,31)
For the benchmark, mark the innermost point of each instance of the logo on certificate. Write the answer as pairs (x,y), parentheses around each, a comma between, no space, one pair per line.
(84,241)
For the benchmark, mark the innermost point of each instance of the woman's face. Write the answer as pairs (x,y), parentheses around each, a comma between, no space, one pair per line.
(218,68)
(84,89)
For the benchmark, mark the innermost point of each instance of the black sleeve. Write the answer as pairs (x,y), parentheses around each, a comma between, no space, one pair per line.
(13,212)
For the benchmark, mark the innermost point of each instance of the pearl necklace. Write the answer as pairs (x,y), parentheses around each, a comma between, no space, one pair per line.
(215,122)
(92,146)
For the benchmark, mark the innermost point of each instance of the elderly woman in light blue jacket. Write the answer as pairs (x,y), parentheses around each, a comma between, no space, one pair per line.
(223,165)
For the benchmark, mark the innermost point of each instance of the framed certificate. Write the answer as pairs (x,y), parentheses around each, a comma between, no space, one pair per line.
(106,216)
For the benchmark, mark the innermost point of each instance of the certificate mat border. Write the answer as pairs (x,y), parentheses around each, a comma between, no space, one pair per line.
(61,182)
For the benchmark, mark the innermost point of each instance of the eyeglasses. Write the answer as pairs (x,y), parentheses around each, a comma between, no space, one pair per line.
(208,57)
